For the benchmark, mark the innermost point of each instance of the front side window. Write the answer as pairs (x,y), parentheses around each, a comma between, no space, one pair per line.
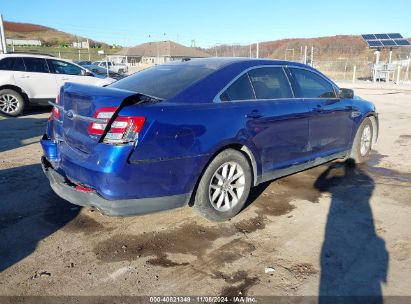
(240,90)
(311,85)
(12,64)
(37,65)
(62,67)
(270,83)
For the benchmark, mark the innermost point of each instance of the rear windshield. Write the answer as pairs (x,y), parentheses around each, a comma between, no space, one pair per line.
(163,81)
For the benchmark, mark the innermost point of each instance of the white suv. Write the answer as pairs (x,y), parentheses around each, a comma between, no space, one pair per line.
(36,79)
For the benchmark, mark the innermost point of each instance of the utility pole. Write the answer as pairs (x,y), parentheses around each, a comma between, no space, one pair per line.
(249,50)
(3,43)
(88,47)
(312,56)
(305,54)
(258,50)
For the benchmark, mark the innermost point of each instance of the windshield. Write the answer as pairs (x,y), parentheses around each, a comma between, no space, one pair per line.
(163,81)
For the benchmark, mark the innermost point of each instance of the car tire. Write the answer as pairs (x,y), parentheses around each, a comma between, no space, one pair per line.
(362,144)
(121,71)
(11,102)
(224,186)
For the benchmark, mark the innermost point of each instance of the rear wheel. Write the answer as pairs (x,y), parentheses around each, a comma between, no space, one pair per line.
(363,142)
(11,102)
(224,186)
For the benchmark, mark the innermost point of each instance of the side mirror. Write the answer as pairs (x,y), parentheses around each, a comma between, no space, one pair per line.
(346,94)
(86,73)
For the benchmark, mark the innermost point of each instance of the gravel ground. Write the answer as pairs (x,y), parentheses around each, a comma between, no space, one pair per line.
(328,230)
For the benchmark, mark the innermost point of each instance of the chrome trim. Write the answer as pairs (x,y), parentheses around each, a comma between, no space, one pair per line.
(218,100)
(72,115)
(217,97)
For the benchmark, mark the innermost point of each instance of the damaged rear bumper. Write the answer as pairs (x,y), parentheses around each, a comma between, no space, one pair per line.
(70,192)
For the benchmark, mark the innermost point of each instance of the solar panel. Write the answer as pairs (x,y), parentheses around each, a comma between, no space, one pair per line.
(389,42)
(395,36)
(374,43)
(382,36)
(368,37)
(402,42)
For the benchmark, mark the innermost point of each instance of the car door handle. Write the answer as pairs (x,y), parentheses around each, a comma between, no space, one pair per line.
(254,115)
(24,76)
(318,110)
(64,78)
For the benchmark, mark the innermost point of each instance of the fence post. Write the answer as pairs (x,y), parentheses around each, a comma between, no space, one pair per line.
(398,75)
(353,73)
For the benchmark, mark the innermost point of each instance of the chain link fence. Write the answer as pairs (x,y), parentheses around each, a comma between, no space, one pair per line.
(71,54)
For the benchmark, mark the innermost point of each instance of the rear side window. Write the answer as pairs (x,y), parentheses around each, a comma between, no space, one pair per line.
(311,85)
(240,90)
(62,67)
(37,65)
(163,81)
(270,83)
(12,64)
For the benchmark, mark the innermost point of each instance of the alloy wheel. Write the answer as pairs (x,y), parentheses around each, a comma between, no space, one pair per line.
(365,143)
(8,103)
(227,186)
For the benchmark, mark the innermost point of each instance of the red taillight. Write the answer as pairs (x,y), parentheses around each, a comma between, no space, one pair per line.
(124,129)
(84,189)
(102,113)
(56,111)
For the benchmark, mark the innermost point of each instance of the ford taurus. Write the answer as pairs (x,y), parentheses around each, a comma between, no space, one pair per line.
(199,132)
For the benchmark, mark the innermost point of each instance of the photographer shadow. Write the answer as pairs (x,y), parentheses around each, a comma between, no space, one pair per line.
(354,260)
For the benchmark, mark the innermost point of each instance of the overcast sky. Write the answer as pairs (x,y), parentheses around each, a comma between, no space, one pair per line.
(211,22)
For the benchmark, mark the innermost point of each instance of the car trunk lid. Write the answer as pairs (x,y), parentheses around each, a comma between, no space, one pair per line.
(80,104)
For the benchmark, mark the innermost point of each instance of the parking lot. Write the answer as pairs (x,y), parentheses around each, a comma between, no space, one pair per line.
(331,228)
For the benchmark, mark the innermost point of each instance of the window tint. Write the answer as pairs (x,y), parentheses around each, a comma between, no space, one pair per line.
(38,65)
(12,64)
(311,85)
(61,67)
(163,81)
(270,83)
(19,65)
(240,90)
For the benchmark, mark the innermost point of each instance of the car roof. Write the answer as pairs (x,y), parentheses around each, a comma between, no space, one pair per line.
(217,63)
(225,69)
(27,55)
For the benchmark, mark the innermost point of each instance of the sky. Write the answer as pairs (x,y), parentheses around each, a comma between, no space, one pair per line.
(211,22)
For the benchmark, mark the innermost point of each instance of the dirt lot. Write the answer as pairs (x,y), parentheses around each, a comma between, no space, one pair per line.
(329,230)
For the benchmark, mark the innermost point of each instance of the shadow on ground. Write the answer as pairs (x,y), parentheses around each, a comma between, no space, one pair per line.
(20,131)
(354,260)
(29,212)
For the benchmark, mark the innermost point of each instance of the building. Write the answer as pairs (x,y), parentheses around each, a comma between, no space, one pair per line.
(156,53)
(23,42)
(81,44)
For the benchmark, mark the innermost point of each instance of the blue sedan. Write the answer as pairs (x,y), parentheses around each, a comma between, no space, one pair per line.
(199,132)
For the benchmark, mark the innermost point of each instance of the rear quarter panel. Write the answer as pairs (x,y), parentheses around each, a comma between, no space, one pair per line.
(178,140)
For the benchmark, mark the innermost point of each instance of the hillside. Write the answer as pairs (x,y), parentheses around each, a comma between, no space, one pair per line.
(48,35)
(340,47)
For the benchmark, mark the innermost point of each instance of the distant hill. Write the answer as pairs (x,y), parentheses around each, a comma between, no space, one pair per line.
(325,48)
(49,36)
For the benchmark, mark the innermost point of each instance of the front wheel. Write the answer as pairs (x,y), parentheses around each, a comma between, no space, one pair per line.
(11,102)
(224,186)
(362,142)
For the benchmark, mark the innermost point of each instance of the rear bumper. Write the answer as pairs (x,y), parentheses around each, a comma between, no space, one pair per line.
(66,190)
